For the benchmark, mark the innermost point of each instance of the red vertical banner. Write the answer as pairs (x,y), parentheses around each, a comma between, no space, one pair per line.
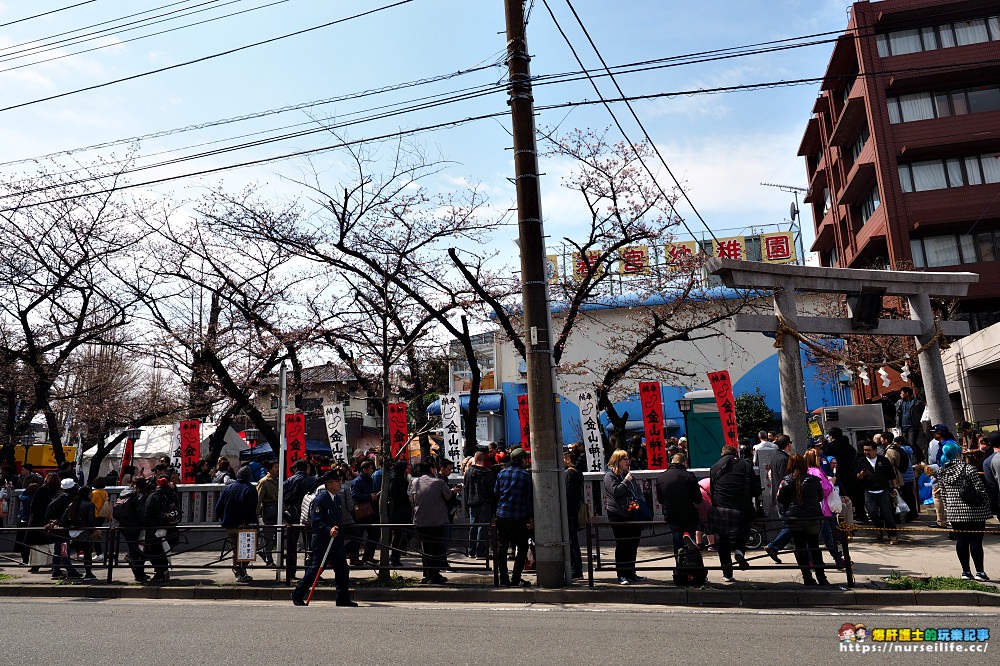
(722,388)
(127,455)
(190,449)
(652,415)
(295,439)
(523,414)
(398,430)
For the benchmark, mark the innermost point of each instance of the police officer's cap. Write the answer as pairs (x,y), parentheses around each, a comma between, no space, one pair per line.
(332,475)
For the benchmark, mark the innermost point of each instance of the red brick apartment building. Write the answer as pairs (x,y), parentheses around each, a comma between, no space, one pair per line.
(903,149)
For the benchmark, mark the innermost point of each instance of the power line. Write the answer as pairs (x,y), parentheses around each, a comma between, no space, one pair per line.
(96,25)
(621,129)
(442,125)
(640,66)
(220,54)
(54,11)
(133,39)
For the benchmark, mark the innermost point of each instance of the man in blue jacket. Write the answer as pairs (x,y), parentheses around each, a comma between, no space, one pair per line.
(325,516)
(237,509)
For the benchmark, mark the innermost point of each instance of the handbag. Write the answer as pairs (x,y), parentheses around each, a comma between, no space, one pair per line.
(638,509)
(968,493)
(105,511)
(583,515)
(834,501)
(363,511)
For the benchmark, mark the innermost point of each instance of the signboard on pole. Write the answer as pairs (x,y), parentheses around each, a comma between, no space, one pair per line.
(722,388)
(336,430)
(523,416)
(190,441)
(295,438)
(591,431)
(451,425)
(246,546)
(398,430)
(652,415)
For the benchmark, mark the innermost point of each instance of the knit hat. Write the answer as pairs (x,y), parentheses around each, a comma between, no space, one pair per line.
(67,484)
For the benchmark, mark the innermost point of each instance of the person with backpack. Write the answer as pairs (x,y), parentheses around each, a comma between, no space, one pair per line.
(678,492)
(325,513)
(160,515)
(127,511)
(968,508)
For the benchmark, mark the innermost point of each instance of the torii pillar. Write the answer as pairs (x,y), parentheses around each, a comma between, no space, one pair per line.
(786,280)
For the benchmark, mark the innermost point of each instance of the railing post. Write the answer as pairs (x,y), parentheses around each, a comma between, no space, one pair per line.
(110,553)
(291,551)
(590,555)
(848,563)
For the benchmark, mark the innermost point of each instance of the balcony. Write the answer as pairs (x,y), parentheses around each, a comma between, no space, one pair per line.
(850,123)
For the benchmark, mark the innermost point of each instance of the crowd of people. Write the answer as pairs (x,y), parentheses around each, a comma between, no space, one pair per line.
(879,485)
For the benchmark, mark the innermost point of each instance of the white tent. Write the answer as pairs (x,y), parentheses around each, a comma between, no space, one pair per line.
(162,440)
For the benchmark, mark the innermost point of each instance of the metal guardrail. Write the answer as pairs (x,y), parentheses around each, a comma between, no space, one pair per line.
(594,561)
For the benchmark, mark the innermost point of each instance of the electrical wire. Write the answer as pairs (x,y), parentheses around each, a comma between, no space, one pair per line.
(212,56)
(19,45)
(120,42)
(443,125)
(621,129)
(54,11)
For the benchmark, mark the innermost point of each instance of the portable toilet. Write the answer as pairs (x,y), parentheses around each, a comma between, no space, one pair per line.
(704,429)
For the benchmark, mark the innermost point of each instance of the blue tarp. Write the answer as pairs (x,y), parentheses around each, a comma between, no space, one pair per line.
(488,402)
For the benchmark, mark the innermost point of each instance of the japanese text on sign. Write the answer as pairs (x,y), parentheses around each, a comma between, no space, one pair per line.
(651,401)
(190,442)
(592,445)
(451,425)
(722,388)
(398,431)
(295,438)
(336,430)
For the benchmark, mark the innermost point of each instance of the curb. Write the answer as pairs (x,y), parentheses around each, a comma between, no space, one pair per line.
(740,598)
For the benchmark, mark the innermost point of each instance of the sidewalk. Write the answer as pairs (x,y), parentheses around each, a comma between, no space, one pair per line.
(924,552)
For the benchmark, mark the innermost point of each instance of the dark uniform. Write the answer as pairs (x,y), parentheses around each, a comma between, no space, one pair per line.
(326,513)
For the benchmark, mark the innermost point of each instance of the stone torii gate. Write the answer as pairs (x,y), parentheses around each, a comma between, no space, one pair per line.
(864,290)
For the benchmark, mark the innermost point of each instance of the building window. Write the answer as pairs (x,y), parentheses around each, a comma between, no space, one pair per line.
(870,204)
(942,174)
(943,36)
(927,105)
(952,250)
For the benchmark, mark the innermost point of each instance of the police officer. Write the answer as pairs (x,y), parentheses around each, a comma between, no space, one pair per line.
(325,518)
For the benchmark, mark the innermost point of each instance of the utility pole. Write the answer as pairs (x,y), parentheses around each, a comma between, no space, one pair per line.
(548,479)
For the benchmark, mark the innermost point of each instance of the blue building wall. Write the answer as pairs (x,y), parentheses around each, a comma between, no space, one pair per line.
(763,375)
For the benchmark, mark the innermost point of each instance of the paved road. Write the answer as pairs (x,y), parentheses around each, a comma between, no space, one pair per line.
(221,633)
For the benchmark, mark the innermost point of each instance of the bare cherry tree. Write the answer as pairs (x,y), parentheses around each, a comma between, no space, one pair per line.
(59,239)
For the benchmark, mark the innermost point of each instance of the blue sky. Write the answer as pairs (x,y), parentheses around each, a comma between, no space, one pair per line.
(721,146)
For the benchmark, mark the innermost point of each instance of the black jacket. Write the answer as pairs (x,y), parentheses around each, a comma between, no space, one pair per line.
(846,455)
(677,491)
(809,505)
(574,493)
(152,509)
(479,483)
(734,484)
(880,478)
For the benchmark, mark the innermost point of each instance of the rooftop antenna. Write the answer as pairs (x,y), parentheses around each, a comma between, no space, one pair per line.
(793,213)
